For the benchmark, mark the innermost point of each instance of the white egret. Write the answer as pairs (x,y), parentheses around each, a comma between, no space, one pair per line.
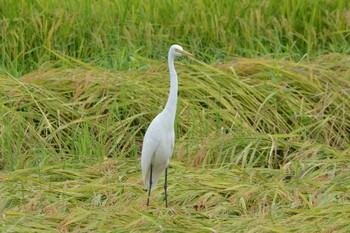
(158,143)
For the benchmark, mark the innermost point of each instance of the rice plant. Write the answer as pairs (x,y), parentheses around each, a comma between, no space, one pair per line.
(262,145)
(262,127)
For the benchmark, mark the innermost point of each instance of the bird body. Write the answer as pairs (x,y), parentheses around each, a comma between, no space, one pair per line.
(159,140)
(159,150)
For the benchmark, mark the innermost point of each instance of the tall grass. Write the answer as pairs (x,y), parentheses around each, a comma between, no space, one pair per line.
(262,141)
(306,195)
(254,112)
(262,145)
(111,33)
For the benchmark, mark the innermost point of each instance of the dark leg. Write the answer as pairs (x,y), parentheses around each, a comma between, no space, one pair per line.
(165,187)
(150,186)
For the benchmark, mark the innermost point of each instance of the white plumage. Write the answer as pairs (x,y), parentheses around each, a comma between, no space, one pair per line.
(159,140)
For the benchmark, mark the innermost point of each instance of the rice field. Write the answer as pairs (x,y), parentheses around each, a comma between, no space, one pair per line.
(262,127)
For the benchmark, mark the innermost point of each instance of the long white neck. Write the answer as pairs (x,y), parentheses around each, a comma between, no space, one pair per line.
(170,106)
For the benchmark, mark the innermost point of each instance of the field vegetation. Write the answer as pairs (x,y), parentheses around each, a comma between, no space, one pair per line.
(262,130)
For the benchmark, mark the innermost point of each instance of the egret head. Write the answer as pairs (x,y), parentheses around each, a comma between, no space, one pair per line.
(178,51)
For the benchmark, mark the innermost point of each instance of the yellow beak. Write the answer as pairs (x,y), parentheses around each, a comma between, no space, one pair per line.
(184,52)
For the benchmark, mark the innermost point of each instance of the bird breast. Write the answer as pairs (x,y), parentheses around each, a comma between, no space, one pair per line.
(165,144)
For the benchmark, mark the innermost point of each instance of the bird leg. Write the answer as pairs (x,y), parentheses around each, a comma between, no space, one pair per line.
(165,187)
(150,186)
